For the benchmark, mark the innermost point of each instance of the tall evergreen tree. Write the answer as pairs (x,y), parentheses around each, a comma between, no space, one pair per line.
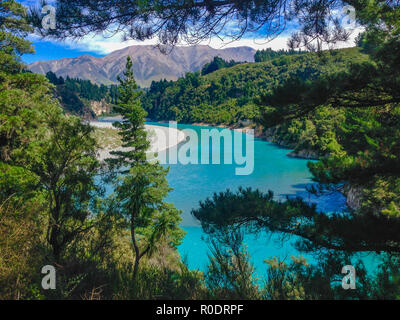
(142,188)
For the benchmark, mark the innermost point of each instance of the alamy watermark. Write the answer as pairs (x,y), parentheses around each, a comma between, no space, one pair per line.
(209,146)
(348,20)
(49,20)
(349,280)
(49,280)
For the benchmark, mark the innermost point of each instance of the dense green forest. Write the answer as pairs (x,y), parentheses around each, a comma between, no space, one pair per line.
(216,64)
(269,54)
(351,118)
(85,88)
(344,104)
(76,95)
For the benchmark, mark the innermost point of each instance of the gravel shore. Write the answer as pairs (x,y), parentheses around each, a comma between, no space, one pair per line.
(161,138)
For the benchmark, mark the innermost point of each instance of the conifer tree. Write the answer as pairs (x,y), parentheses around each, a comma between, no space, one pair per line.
(143,187)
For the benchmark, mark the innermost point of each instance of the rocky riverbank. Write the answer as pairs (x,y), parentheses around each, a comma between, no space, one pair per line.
(353,196)
(267,135)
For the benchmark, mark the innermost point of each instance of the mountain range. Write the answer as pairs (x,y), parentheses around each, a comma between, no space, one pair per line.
(149,63)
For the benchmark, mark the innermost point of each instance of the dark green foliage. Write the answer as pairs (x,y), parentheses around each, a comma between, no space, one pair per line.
(132,129)
(230,274)
(318,231)
(269,54)
(66,167)
(87,90)
(298,280)
(152,98)
(153,283)
(72,103)
(13,29)
(317,134)
(47,164)
(49,210)
(216,64)
(366,155)
(364,84)
(53,79)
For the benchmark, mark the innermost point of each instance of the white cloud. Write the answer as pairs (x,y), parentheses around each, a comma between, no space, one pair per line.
(279,42)
(104,45)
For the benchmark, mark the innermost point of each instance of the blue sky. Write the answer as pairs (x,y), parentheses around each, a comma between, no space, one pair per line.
(98,45)
(46,50)
(50,50)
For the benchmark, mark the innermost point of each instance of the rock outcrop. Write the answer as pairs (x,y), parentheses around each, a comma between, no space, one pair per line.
(353,195)
(304,154)
(100,107)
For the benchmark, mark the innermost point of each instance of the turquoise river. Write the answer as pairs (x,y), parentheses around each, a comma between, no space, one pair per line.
(273,170)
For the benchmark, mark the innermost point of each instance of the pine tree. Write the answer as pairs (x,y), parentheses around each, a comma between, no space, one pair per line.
(141,190)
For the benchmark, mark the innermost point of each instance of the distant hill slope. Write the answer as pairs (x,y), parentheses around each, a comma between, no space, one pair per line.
(148,63)
(227,95)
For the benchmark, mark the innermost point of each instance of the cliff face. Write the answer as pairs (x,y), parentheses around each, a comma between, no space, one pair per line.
(100,107)
(72,103)
(353,195)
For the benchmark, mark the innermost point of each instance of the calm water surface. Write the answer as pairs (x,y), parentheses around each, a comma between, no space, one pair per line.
(273,170)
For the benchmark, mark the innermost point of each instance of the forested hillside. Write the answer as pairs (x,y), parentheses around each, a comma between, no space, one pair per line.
(229,95)
(269,54)
(82,97)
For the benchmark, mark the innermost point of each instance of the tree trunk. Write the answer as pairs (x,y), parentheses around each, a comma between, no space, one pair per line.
(56,248)
(135,248)
(55,229)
